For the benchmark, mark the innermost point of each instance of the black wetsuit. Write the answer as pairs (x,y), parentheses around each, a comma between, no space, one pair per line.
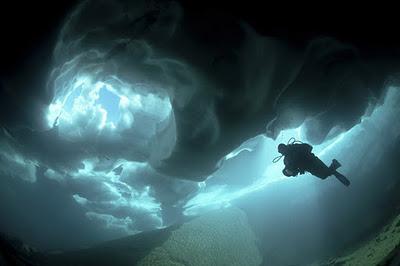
(299,158)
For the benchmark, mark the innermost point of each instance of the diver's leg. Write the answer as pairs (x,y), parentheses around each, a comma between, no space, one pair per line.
(342,178)
(317,168)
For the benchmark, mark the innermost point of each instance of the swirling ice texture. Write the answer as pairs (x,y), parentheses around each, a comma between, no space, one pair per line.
(220,94)
(142,112)
(121,45)
(138,104)
(113,96)
(128,197)
(110,118)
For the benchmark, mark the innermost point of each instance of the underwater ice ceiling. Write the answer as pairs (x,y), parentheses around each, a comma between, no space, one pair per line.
(146,125)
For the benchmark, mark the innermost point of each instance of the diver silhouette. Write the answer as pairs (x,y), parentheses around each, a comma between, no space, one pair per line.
(299,159)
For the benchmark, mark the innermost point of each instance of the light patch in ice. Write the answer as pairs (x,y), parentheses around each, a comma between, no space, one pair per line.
(104,194)
(90,107)
(15,164)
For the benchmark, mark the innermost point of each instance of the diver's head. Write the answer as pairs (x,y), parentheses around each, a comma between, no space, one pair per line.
(282,148)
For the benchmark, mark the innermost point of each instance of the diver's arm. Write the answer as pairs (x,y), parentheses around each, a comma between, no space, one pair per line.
(289,172)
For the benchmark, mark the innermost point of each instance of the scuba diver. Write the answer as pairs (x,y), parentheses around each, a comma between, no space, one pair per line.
(299,159)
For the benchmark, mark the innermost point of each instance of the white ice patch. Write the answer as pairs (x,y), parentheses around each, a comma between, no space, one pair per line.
(13,163)
(91,108)
(124,225)
(107,198)
(51,174)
